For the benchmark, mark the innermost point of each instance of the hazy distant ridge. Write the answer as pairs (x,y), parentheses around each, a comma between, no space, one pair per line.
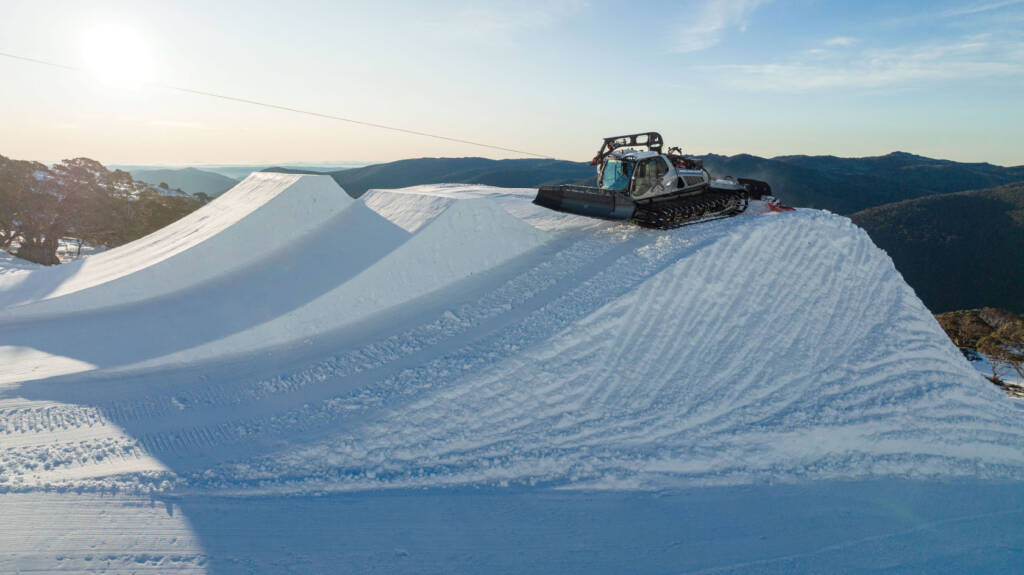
(191,180)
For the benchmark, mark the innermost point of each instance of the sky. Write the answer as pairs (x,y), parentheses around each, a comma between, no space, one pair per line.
(768,77)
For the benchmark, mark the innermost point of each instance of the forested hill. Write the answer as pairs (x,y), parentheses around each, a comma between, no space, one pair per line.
(841,185)
(958,251)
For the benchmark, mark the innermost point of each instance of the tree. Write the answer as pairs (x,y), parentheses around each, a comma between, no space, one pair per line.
(29,210)
(1004,348)
(93,209)
(12,182)
(80,198)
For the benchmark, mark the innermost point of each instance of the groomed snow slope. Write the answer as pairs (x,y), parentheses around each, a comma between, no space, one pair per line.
(446,336)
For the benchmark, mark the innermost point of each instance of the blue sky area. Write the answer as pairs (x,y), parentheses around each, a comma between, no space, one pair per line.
(943,79)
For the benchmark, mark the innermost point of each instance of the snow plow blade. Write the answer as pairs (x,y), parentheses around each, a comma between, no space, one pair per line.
(586,201)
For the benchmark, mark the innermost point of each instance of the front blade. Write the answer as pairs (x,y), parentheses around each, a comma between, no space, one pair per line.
(586,201)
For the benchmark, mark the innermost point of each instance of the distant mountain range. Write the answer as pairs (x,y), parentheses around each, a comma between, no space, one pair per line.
(841,185)
(191,180)
(958,251)
(847,185)
(241,171)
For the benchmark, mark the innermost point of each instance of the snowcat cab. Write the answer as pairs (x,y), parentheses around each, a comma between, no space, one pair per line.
(636,180)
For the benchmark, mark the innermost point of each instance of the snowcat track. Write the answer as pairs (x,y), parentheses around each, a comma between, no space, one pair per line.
(711,205)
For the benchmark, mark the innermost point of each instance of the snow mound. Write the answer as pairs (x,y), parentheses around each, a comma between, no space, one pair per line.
(460,335)
(255,218)
(445,242)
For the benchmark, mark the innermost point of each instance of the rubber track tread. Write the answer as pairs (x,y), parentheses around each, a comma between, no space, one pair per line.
(711,205)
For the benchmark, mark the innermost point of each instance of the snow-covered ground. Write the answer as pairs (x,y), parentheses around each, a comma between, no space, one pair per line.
(68,250)
(449,378)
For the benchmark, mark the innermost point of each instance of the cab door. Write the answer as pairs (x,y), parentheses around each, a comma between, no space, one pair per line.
(649,178)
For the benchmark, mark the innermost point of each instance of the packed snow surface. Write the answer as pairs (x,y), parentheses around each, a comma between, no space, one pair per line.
(286,339)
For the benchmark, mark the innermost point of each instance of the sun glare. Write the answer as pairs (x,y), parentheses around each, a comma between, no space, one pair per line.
(117,54)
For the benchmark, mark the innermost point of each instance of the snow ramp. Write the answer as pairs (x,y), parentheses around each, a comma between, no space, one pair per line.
(449,335)
(257,217)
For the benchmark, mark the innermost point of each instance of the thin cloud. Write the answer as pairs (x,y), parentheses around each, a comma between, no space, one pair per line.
(979,8)
(960,11)
(501,22)
(841,41)
(969,58)
(713,20)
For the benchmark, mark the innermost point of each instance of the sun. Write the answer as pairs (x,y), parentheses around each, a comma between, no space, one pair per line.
(117,54)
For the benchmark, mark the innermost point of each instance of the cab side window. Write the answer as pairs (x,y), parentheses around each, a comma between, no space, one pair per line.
(649,174)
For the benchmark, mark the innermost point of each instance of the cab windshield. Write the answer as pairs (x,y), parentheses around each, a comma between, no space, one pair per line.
(616,174)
